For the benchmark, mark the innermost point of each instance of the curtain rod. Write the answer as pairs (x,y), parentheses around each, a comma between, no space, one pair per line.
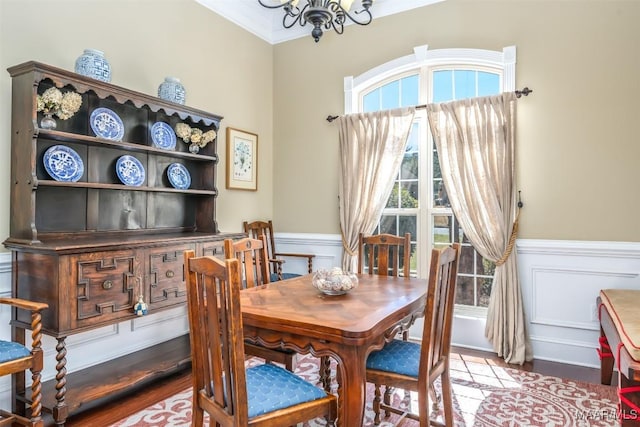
(525,91)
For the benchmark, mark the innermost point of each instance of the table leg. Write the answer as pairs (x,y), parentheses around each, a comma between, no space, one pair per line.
(352,384)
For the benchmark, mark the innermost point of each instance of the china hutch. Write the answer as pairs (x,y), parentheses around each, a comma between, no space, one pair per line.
(90,247)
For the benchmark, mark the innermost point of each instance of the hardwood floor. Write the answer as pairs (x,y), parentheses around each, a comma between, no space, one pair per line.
(110,412)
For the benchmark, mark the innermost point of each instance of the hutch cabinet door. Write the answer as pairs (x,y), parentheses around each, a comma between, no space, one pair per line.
(104,286)
(165,273)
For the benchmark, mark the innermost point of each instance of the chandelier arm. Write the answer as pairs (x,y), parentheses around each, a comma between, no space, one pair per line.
(367,18)
(294,18)
(340,15)
(338,26)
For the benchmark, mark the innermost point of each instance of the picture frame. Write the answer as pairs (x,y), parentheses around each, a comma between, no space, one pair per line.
(242,160)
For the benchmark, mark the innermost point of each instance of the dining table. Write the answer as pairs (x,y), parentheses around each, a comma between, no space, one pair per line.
(292,314)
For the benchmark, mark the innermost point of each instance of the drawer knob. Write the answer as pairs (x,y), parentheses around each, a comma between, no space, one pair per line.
(170,273)
(107,284)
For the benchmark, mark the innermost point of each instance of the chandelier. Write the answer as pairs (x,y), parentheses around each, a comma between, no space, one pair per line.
(321,14)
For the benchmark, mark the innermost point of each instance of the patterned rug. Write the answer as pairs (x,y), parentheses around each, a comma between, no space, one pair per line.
(485,395)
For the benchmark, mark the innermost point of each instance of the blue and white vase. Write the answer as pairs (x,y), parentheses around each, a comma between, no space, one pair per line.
(172,90)
(92,63)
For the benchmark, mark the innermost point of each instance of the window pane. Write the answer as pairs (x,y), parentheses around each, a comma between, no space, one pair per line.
(442,86)
(465,264)
(440,197)
(488,84)
(394,198)
(390,95)
(371,101)
(408,224)
(465,291)
(436,164)
(414,258)
(484,292)
(410,91)
(409,194)
(409,168)
(413,142)
(485,267)
(388,224)
(441,229)
(465,84)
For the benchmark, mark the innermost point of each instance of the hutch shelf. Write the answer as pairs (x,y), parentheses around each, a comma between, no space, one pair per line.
(89,248)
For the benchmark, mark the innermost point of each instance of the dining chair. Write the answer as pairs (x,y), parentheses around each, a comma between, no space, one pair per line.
(233,395)
(384,254)
(255,229)
(16,358)
(416,367)
(252,255)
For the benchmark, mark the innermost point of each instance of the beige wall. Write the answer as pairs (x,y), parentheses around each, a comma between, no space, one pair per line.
(576,161)
(578,144)
(225,70)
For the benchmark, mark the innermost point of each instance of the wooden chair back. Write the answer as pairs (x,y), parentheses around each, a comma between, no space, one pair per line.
(217,345)
(384,254)
(254,261)
(255,229)
(19,359)
(436,335)
(438,322)
(254,270)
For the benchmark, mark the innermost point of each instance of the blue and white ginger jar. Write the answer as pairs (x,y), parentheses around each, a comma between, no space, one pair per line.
(92,63)
(172,90)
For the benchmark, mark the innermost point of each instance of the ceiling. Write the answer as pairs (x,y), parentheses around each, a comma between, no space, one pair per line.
(267,23)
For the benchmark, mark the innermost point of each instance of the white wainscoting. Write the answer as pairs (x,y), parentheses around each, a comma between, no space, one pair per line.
(560,282)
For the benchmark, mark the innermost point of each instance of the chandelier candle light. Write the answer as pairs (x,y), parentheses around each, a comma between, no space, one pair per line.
(325,14)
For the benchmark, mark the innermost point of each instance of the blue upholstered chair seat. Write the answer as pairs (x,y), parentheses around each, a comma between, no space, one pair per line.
(270,388)
(273,277)
(12,350)
(400,357)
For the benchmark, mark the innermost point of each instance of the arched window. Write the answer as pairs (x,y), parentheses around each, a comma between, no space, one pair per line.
(418,203)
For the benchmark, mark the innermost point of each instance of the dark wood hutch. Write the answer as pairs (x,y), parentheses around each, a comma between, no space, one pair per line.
(89,248)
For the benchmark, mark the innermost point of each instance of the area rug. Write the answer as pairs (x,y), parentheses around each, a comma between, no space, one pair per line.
(484,394)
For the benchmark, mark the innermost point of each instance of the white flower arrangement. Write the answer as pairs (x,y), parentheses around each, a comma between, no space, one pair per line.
(194,136)
(53,101)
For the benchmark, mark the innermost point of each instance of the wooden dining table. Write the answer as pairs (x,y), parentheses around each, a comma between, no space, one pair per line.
(293,314)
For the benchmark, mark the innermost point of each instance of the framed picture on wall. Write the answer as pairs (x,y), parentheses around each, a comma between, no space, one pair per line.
(242,160)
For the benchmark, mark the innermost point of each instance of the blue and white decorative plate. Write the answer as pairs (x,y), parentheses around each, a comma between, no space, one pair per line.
(163,136)
(106,124)
(178,176)
(63,163)
(130,171)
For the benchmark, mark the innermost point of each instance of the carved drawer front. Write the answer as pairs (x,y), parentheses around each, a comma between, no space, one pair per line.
(106,286)
(165,272)
(215,249)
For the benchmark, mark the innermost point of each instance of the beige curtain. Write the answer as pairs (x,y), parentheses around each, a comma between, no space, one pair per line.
(371,150)
(475,139)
